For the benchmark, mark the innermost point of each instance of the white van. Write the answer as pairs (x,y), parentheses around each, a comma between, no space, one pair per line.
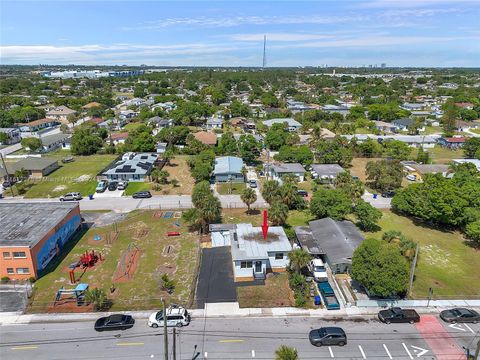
(176,316)
(317,268)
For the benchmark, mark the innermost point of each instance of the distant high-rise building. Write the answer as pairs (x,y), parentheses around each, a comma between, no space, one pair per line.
(383,65)
(264,62)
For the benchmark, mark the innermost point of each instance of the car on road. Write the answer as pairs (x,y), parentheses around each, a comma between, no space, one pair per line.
(142,195)
(388,194)
(301,192)
(317,269)
(122,185)
(398,315)
(176,316)
(112,186)
(114,322)
(460,315)
(328,336)
(101,186)
(73,196)
(252,183)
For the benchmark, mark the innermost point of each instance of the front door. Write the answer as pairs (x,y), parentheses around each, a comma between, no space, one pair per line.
(258,266)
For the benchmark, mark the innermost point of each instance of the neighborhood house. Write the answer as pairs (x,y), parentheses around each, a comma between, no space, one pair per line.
(228,169)
(134,167)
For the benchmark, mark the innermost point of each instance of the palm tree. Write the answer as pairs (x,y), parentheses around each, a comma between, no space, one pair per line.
(278,213)
(289,194)
(286,353)
(299,258)
(210,211)
(248,196)
(97,297)
(270,191)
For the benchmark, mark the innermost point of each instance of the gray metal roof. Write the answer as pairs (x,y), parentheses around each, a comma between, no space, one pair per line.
(248,242)
(228,165)
(327,169)
(291,122)
(338,239)
(25,224)
(53,139)
(306,240)
(288,168)
(431,168)
(221,227)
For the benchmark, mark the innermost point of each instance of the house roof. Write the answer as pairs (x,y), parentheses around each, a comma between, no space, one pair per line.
(61,110)
(207,138)
(119,136)
(291,122)
(91,105)
(248,242)
(228,165)
(288,168)
(336,239)
(327,169)
(140,164)
(455,139)
(25,224)
(475,162)
(215,121)
(403,122)
(37,122)
(33,163)
(52,139)
(430,168)
(96,120)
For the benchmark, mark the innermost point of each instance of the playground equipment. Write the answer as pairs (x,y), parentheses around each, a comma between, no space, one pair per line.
(125,265)
(168,215)
(173,233)
(87,260)
(77,294)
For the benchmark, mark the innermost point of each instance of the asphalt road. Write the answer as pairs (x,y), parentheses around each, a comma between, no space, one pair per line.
(240,338)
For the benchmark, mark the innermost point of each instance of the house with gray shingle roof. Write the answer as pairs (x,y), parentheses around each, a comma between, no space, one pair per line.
(277,171)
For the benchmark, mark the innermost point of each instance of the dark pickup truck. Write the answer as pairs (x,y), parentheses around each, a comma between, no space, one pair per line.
(398,315)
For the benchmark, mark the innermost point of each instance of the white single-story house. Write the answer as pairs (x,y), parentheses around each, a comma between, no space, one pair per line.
(292,124)
(13,135)
(54,141)
(228,169)
(214,123)
(277,171)
(252,255)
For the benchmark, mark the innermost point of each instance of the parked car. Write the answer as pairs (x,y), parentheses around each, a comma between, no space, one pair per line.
(301,192)
(398,315)
(114,322)
(328,336)
(122,185)
(101,186)
(460,315)
(412,177)
(317,269)
(388,194)
(252,183)
(329,298)
(73,196)
(142,195)
(112,186)
(68,159)
(7,184)
(176,316)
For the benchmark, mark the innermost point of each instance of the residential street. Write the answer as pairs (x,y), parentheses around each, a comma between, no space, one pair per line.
(244,338)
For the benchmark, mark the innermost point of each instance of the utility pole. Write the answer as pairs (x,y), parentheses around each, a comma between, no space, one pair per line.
(174,344)
(8,175)
(165,334)
(477,351)
(412,271)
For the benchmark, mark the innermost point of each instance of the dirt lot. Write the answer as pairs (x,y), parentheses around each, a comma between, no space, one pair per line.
(358,167)
(275,293)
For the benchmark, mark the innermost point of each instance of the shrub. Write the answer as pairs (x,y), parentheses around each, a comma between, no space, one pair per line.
(167,284)
(5,279)
(32,279)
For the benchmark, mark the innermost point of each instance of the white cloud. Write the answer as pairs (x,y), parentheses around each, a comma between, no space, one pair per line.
(413,3)
(279,37)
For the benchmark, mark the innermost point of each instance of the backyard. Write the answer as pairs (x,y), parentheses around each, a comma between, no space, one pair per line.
(78,175)
(158,254)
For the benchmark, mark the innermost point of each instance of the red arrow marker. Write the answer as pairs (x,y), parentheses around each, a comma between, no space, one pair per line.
(265,224)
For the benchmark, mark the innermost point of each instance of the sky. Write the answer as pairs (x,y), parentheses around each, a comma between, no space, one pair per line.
(430,33)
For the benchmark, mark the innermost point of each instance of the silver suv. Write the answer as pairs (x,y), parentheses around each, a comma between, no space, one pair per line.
(73,196)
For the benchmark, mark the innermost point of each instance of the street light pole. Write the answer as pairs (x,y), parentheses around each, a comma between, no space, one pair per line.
(165,334)
(8,175)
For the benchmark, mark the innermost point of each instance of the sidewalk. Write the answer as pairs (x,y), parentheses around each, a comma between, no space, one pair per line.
(214,310)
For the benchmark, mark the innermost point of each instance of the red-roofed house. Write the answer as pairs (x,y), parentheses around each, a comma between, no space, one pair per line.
(119,138)
(452,142)
(464,105)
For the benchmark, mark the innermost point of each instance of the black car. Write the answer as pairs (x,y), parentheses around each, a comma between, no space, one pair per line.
(112,185)
(328,336)
(142,195)
(301,192)
(398,315)
(388,194)
(460,315)
(7,184)
(114,322)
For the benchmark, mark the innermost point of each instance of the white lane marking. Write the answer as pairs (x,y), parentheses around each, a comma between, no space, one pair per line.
(469,328)
(361,350)
(205,355)
(457,327)
(253,353)
(408,351)
(388,352)
(331,352)
(417,348)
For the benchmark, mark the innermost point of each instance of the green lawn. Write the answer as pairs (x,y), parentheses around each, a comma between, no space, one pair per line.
(132,126)
(143,290)
(476,131)
(227,188)
(78,175)
(133,187)
(275,293)
(445,262)
(429,130)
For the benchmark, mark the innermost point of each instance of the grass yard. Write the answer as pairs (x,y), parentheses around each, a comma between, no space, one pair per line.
(445,262)
(275,293)
(143,290)
(78,175)
(236,216)
(441,155)
(132,126)
(358,167)
(134,187)
(429,130)
(476,131)
(230,189)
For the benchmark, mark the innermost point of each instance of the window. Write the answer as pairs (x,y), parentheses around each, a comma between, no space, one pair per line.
(246,264)
(278,256)
(23,271)
(10,271)
(19,254)
(6,255)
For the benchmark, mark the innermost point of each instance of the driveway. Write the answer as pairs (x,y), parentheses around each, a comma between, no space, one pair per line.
(380,202)
(215,282)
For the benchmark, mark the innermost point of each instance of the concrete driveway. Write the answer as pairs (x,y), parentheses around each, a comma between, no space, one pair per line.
(215,281)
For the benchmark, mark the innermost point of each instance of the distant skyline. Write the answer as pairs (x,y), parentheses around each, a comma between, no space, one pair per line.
(428,33)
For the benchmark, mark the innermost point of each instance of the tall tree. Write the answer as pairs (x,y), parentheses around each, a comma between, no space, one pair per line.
(248,196)
(449,118)
(298,258)
(332,203)
(384,175)
(278,213)
(367,216)
(33,144)
(271,191)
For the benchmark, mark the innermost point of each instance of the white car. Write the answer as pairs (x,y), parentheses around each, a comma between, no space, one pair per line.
(176,316)
(122,185)
(73,196)
(412,177)
(317,268)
